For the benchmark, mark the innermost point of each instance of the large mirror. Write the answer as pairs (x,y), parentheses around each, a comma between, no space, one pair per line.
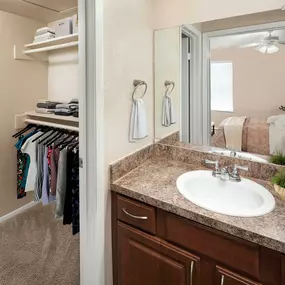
(222,91)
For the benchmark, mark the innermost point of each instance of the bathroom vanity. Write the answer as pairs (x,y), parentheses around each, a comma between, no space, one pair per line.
(160,238)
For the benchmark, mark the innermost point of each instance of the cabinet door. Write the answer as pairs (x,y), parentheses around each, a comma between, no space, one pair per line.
(226,277)
(146,260)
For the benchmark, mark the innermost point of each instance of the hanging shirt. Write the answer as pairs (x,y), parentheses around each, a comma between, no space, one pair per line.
(23,163)
(61,183)
(45,186)
(30,148)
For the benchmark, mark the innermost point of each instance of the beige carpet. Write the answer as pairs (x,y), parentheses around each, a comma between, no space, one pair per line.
(36,249)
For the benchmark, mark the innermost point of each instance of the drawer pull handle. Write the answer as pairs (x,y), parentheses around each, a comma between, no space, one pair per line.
(191,272)
(133,216)
(222,280)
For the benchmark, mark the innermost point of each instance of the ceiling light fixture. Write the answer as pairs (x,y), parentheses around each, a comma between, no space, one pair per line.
(268,48)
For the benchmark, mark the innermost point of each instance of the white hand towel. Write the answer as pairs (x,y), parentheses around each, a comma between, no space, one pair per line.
(138,123)
(168,115)
(233,129)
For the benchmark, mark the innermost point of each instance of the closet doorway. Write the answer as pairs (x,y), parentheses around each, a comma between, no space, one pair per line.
(49,203)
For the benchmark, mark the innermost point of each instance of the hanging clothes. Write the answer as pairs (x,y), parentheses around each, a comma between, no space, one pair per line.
(61,183)
(48,164)
(75,193)
(30,148)
(45,186)
(23,163)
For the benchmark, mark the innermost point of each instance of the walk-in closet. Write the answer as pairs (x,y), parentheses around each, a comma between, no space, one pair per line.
(39,142)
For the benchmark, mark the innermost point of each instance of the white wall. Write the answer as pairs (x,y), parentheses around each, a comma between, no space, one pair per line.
(63,73)
(22,83)
(167,61)
(128,55)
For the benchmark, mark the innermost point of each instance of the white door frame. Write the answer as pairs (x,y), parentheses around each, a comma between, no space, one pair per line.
(206,80)
(91,118)
(194,114)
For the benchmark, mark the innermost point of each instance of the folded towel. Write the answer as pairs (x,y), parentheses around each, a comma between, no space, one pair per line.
(44,111)
(168,115)
(74,101)
(43,38)
(138,122)
(67,106)
(276,134)
(44,30)
(233,128)
(63,112)
(47,105)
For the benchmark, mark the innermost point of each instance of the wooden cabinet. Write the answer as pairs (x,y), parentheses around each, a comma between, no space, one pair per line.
(143,259)
(226,277)
(154,247)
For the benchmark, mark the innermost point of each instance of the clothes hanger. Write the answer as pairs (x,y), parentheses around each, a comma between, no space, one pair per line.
(68,135)
(52,134)
(44,130)
(62,146)
(51,141)
(28,127)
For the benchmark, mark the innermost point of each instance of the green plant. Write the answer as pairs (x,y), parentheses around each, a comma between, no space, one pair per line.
(278,158)
(279,178)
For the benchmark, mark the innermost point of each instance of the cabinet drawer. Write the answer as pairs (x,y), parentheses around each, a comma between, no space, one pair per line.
(136,214)
(235,253)
(226,277)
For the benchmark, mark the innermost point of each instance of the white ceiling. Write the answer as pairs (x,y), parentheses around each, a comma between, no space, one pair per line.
(42,10)
(243,39)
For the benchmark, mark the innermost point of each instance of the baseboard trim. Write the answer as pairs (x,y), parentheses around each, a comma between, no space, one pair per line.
(18,211)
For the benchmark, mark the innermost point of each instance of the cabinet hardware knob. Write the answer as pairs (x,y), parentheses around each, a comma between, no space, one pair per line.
(222,280)
(133,216)
(191,272)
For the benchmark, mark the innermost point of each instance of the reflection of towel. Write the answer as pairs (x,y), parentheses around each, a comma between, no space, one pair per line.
(233,127)
(168,116)
(138,123)
(276,134)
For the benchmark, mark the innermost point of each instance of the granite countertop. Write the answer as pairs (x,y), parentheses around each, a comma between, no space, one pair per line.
(154,183)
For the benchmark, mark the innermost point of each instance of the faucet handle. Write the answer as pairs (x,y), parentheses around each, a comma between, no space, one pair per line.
(235,175)
(236,167)
(215,162)
(217,170)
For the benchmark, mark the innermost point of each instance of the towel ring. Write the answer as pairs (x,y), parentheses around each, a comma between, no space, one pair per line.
(137,83)
(168,85)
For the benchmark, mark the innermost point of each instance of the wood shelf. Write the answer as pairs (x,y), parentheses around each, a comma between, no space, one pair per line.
(52,44)
(52,117)
(55,41)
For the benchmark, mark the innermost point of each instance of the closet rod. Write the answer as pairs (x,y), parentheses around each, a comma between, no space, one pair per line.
(53,125)
(55,47)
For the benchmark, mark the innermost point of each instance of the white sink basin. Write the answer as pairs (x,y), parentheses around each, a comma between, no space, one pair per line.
(241,199)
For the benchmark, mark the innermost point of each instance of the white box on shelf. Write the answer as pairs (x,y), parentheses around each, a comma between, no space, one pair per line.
(75,24)
(63,27)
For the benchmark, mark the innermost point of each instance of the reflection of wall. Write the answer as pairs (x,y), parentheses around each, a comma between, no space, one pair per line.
(169,13)
(258,82)
(167,67)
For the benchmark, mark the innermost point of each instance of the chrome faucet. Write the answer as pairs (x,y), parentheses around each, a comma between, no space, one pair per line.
(216,171)
(235,174)
(224,173)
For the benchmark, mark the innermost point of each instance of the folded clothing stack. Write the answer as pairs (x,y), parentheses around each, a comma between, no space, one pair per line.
(44,34)
(46,107)
(68,109)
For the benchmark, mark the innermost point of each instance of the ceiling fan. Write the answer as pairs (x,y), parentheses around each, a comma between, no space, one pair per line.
(269,44)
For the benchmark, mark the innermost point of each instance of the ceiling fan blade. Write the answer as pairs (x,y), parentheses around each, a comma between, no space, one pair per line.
(249,45)
(281,42)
